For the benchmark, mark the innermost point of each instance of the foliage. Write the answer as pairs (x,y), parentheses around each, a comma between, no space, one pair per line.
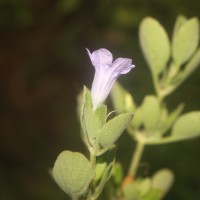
(170,64)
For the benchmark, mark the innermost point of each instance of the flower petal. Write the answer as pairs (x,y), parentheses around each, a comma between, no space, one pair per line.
(122,66)
(100,58)
(106,73)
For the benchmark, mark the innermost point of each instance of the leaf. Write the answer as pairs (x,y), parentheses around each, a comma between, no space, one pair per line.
(150,112)
(73,173)
(162,119)
(130,192)
(163,180)
(137,190)
(117,174)
(155,44)
(113,129)
(187,126)
(109,159)
(138,117)
(84,100)
(101,112)
(185,41)
(92,125)
(99,170)
(144,186)
(180,21)
(172,117)
(103,161)
(104,180)
(191,65)
(154,194)
(122,99)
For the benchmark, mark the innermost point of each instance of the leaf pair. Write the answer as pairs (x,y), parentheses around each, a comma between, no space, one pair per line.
(158,51)
(153,188)
(186,127)
(151,120)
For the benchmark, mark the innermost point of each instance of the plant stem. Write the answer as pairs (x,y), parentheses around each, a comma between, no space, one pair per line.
(157,88)
(136,159)
(92,158)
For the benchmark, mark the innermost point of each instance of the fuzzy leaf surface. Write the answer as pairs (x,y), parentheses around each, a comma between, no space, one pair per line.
(113,129)
(73,172)
(185,41)
(122,99)
(187,126)
(155,44)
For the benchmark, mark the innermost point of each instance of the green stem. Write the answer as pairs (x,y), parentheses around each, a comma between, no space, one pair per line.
(156,86)
(92,158)
(136,159)
(159,91)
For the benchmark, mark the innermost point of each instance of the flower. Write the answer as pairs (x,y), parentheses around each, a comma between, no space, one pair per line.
(106,73)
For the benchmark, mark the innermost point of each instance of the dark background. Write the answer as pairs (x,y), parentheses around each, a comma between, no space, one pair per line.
(43,66)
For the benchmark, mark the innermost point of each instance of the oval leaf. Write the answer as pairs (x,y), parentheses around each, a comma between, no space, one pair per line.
(155,44)
(92,124)
(185,41)
(73,173)
(122,99)
(113,129)
(150,112)
(191,65)
(187,126)
(163,180)
(180,21)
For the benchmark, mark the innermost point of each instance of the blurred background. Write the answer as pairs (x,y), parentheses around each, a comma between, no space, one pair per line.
(43,66)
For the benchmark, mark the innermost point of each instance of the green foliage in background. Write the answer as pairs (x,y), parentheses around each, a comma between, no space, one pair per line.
(152,123)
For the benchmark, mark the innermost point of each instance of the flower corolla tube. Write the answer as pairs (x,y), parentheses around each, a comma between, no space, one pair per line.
(106,73)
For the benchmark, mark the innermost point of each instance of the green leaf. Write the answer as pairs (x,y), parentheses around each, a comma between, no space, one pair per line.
(172,117)
(92,125)
(117,174)
(150,112)
(191,65)
(101,112)
(155,44)
(103,161)
(113,129)
(187,126)
(154,194)
(104,180)
(137,190)
(162,119)
(180,21)
(185,41)
(144,186)
(130,192)
(84,100)
(99,170)
(138,117)
(163,180)
(109,159)
(122,99)
(73,173)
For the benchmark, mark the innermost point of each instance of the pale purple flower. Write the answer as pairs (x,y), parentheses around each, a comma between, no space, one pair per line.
(106,73)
